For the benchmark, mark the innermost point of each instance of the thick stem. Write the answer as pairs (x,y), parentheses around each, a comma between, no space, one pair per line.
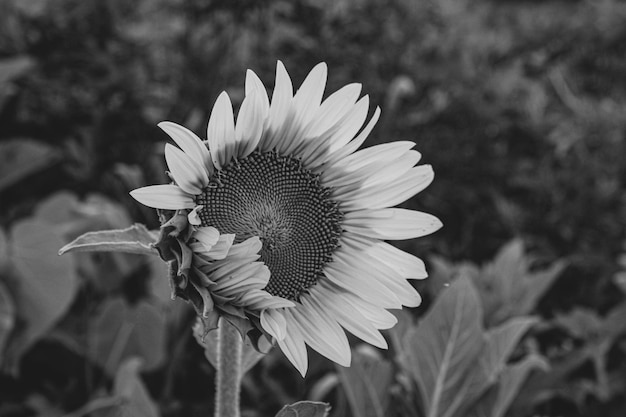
(228,380)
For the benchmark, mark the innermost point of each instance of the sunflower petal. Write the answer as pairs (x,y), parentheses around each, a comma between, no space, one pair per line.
(189,175)
(293,345)
(221,131)
(167,197)
(190,143)
(273,322)
(391,223)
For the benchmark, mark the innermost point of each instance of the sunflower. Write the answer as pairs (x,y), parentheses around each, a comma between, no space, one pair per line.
(289,175)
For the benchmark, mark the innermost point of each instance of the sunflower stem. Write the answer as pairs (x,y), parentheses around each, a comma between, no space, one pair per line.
(228,379)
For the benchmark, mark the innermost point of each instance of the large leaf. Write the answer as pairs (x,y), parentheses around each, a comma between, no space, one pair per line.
(134,239)
(47,283)
(366,384)
(444,347)
(499,398)
(508,288)
(121,331)
(499,345)
(22,157)
(305,409)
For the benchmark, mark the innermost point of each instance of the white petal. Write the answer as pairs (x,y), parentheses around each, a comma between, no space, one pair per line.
(384,194)
(273,321)
(250,246)
(346,315)
(207,236)
(366,255)
(405,264)
(374,155)
(254,85)
(322,333)
(391,223)
(168,197)
(293,345)
(305,104)
(332,110)
(250,122)
(221,248)
(188,174)
(353,277)
(355,143)
(190,143)
(335,139)
(221,131)
(279,109)
(374,313)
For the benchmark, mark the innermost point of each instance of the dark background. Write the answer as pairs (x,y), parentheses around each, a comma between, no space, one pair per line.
(520,106)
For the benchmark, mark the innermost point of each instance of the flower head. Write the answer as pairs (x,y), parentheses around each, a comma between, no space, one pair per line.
(310,212)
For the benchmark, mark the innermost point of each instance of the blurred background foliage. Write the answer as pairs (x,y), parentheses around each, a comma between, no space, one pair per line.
(519,105)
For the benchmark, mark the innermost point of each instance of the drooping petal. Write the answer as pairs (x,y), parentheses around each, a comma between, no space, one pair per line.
(346,315)
(167,197)
(293,345)
(312,323)
(273,322)
(221,131)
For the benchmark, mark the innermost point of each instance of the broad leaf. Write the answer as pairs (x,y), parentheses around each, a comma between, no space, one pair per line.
(499,345)
(47,283)
(496,402)
(508,288)
(22,157)
(121,331)
(305,409)
(366,384)
(134,239)
(445,346)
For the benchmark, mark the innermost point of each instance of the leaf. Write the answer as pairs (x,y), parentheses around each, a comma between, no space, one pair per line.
(11,68)
(499,345)
(498,399)
(136,401)
(20,158)
(511,381)
(134,239)
(47,283)
(7,318)
(209,342)
(445,346)
(366,383)
(121,331)
(507,288)
(305,409)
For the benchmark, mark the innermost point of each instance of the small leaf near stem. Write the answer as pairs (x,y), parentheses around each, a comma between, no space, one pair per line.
(228,379)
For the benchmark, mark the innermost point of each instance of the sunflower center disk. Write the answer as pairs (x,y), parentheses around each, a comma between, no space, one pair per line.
(275,198)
